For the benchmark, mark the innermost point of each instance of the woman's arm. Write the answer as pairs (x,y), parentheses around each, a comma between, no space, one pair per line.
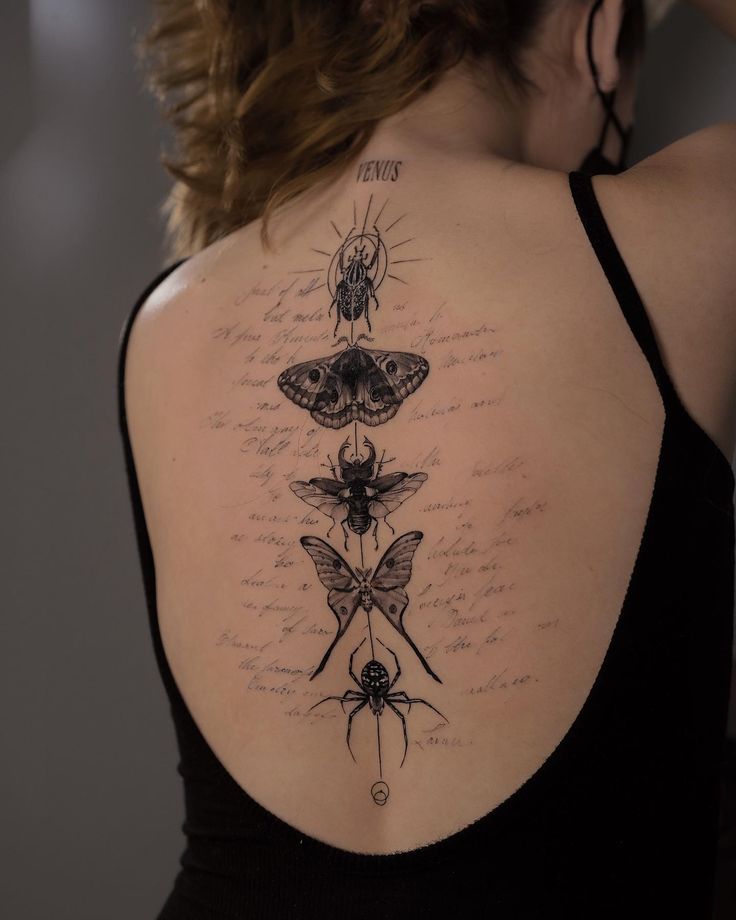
(721,12)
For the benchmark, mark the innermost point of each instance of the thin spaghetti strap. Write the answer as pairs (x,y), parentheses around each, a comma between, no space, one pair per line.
(621,281)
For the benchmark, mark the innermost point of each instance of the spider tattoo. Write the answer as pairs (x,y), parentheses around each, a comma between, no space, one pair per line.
(376,691)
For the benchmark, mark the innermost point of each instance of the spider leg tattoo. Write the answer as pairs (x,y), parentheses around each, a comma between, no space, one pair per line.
(349,696)
(376,691)
(400,696)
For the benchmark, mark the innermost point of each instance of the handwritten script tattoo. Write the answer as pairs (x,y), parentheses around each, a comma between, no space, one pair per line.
(341,349)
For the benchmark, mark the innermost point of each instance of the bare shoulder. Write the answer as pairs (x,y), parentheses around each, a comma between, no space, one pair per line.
(684,198)
(714,146)
(698,170)
(707,154)
(673,217)
(148,350)
(163,308)
(167,332)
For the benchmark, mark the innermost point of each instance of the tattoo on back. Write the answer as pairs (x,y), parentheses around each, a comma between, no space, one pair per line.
(361,385)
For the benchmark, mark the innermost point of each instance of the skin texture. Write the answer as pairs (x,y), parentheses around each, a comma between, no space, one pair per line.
(538,427)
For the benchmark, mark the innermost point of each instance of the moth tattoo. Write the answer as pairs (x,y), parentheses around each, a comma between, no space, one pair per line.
(359,496)
(383,589)
(358,384)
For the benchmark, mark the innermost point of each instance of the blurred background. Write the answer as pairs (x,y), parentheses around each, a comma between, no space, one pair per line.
(92,804)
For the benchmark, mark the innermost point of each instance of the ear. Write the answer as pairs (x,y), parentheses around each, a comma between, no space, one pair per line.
(606,27)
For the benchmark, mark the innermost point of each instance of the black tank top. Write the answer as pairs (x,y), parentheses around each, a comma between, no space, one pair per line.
(620,821)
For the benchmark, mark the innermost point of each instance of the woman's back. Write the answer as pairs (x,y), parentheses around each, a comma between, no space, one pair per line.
(559,628)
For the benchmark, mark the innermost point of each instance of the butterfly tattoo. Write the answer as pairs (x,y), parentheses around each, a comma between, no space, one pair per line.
(383,589)
(358,384)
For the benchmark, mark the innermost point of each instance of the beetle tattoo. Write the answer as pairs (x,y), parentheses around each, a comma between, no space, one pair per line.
(359,496)
(355,289)
(366,386)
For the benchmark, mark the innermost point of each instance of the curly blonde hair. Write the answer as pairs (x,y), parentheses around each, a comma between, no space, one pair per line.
(269,99)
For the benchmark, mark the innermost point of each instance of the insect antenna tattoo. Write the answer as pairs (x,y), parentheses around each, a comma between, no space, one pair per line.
(358,496)
(358,384)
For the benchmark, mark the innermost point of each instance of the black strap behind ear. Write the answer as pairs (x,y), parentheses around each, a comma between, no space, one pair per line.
(607,99)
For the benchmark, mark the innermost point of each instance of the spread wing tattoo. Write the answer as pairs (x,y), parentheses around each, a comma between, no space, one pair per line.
(356,506)
(342,585)
(358,384)
(384,589)
(387,586)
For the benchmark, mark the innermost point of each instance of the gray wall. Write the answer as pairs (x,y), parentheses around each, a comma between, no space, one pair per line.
(92,806)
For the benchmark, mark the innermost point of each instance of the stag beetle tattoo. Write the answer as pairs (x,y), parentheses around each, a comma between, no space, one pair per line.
(359,496)
(362,385)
